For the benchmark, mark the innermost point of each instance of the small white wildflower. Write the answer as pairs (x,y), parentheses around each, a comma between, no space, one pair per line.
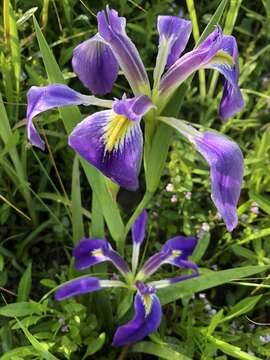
(244,217)
(218,217)
(265,339)
(170,187)
(212,312)
(208,308)
(202,296)
(174,199)
(205,226)
(214,267)
(188,195)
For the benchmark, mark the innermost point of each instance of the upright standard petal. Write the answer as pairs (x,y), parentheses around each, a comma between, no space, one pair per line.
(189,63)
(146,320)
(95,65)
(112,141)
(112,29)
(40,99)
(232,100)
(93,251)
(138,233)
(77,287)
(217,52)
(138,228)
(174,33)
(226,168)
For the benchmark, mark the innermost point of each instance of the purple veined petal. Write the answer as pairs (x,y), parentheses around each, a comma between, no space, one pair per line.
(112,29)
(226,168)
(84,285)
(95,65)
(138,234)
(90,252)
(175,30)
(174,33)
(112,142)
(133,108)
(146,320)
(232,100)
(175,252)
(189,63)
(40,99)
(138,228)
(160,284)
(179,249)
(77,287)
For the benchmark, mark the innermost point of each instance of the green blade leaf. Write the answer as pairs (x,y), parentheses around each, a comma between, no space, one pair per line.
(23,308)
(76,204)
(163,351)
(25,284)
(71,116)
(242,307)
(207,281)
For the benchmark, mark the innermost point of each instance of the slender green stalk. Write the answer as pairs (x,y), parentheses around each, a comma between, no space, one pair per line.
(196,35)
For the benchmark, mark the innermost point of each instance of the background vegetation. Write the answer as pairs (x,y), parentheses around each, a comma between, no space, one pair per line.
(46,203)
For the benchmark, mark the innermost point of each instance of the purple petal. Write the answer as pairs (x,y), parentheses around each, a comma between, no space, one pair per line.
(175,30)
(185,245)
(146,320)
(232,100)
(112,29)
(89,252)
(40,99)
(95,65)
(77,287)
(189,63)
(93,251)
(138,228)
(175,252)
(133,108)
(112,142)
(226,167)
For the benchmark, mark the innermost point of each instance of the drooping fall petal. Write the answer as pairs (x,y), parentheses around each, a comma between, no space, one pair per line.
(112,141)
(40,99)
(146,320)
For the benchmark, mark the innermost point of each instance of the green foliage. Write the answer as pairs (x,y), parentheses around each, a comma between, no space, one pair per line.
(46,204)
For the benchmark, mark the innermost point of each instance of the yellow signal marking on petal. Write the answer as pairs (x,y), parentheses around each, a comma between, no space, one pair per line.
(176,253)
(147,300)
(116,130)
(222,58)
(97,252)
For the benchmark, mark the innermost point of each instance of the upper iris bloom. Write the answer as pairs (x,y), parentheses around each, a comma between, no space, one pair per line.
(147,306)
(112,140)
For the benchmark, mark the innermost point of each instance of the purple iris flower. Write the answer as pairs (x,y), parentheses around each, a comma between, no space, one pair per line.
(147,307)
(112,140)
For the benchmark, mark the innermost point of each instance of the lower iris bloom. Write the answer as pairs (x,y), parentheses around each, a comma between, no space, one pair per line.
(147,307)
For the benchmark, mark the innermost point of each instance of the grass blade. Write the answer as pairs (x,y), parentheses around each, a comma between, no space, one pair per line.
(163,350)
(76,203)
(71,117)
(196,35)
(207,281)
